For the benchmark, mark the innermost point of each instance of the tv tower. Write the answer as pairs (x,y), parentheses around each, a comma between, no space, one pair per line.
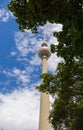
(44,53)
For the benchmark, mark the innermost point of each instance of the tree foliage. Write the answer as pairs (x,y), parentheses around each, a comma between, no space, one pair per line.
(67,82)
(68,85)
(30,14)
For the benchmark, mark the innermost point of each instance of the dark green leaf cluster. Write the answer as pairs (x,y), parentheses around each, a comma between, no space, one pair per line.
(28,13)
(70,45)
(68,85)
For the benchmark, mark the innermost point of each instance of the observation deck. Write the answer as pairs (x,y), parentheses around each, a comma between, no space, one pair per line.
(44,51)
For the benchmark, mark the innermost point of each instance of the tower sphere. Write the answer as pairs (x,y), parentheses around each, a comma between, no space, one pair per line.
(44,51)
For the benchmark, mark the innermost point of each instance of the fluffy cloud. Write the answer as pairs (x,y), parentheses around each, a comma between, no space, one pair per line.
(53,62)
(28,44)
(22,77)
(49,28)
(19,110)
(4,15)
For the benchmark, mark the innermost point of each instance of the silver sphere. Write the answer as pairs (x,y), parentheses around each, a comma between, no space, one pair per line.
(44,51)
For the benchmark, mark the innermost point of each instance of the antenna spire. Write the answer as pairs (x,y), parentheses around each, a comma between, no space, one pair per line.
(44,37)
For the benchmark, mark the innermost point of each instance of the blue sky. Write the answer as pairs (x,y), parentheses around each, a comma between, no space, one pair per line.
(20,69)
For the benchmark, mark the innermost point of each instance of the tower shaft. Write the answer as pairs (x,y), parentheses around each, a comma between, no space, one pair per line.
(44,112)
(44,103)
(44,64)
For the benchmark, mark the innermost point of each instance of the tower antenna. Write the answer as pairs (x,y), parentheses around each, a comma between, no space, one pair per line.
(44,37)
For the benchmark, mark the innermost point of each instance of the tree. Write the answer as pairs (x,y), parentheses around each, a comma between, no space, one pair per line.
(30,14)
(67,82)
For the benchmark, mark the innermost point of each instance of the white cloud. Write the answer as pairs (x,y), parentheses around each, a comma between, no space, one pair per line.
(22,77)
(53,62)
(35,60)
(29,43)
(26,42)
(19,110)
(4,15)
(49,28)
(13,53)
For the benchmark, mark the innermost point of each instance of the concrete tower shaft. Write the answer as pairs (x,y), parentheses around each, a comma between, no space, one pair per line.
(44,53)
